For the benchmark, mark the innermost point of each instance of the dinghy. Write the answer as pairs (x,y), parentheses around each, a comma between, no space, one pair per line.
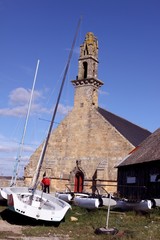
(31,202)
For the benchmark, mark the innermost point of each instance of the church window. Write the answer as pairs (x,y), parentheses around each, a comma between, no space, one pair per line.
(85,66)
(93,69)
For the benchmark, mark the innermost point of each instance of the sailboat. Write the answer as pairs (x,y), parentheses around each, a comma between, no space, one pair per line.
(30,201)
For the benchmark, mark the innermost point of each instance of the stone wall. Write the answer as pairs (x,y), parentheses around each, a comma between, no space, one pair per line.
(84,135)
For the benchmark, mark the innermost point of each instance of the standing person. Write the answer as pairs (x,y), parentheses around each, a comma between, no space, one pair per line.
(45,184)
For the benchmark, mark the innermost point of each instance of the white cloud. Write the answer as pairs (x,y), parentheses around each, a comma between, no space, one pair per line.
(21,96)
(19,100)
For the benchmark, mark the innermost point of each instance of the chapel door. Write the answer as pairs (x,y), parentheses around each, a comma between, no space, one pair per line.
(78,183)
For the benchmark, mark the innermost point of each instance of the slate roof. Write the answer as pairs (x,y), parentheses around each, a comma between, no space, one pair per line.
(133,133)
(148,150)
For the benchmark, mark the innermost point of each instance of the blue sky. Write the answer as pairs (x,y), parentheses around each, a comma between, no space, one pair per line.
(128,33)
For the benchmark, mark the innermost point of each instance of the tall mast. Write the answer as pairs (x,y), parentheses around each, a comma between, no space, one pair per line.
(19,155)
(36,176)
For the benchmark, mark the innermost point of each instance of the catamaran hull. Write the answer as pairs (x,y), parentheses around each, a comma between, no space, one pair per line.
(88,203)
(39,206)
(67,197)
(157,202)
(106,201)
(144,205)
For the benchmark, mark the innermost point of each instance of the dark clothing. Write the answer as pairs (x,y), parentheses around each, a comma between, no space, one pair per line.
(46,188)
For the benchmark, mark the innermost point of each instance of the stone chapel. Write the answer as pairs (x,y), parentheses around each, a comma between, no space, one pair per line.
(90,142)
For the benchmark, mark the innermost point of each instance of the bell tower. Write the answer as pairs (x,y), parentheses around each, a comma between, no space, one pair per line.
(87,84)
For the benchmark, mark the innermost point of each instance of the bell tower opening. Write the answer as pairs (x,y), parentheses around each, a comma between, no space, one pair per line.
(85,66)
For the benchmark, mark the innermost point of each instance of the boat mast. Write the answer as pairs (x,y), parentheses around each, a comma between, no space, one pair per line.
(37,172)
(19,155)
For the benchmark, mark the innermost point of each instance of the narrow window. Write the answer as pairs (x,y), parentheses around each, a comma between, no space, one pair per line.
(85,66)
(94,69)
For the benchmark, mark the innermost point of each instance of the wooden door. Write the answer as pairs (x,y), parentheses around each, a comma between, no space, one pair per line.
(78,183)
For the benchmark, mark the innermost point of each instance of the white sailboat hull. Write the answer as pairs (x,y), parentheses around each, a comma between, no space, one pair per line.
(40,206)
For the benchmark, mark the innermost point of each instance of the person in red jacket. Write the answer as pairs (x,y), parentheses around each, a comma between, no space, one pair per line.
(45,184)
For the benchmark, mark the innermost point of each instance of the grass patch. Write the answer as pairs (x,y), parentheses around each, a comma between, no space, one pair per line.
(130,225)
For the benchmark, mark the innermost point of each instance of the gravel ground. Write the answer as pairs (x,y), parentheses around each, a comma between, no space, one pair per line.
(15,229)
